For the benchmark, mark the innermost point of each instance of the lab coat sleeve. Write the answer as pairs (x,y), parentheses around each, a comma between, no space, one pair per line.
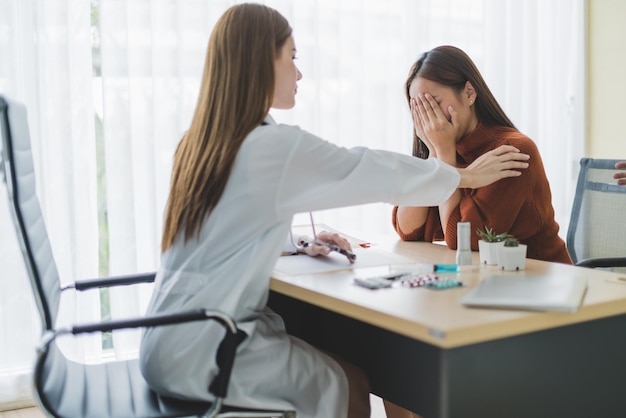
(319,175)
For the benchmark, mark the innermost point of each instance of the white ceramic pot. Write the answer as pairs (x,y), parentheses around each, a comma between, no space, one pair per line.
(512,258)
(488,252)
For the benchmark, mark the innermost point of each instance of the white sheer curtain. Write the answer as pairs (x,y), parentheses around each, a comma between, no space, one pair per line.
(152,53)
(355,57)
(148,57)
(45,62)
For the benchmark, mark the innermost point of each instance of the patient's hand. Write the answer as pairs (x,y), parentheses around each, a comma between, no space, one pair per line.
(621,176)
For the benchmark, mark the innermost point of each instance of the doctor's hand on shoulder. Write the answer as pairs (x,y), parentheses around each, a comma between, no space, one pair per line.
(502,162)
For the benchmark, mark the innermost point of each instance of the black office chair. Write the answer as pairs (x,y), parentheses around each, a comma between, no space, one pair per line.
(65,388)
(596,236)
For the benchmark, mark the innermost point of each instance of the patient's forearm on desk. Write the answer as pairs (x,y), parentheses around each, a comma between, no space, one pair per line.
(410,218)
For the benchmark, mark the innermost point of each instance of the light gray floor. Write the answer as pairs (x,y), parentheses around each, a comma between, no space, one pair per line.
(378,410)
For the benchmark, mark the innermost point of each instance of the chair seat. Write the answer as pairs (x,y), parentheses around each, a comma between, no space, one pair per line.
(119,380)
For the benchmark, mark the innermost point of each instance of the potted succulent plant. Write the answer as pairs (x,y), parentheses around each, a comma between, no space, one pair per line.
(488,245)
(512,255)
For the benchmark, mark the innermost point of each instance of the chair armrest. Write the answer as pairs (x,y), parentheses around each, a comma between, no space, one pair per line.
(113,281)
(225,358)
(141,322)
(148,321)
(226,351)
(603,262)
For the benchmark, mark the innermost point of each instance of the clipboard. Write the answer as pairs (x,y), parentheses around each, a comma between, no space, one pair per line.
(294,265)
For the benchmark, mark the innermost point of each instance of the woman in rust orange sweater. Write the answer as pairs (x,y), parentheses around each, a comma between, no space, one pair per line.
(457,119)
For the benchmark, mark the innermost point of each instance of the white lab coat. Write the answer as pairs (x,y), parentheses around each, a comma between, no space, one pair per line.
(280,171)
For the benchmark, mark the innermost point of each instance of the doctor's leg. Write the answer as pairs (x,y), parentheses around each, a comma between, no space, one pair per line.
(359,389)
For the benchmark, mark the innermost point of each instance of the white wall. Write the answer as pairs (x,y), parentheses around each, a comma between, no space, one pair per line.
(606,103)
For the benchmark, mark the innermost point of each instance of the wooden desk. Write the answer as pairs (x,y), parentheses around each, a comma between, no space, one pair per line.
(425,351)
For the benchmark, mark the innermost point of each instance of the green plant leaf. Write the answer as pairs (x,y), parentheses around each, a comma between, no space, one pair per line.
(511,242)
(488,235)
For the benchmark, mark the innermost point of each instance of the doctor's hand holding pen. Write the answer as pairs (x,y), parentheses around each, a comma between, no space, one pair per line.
(620,176)
(326,242)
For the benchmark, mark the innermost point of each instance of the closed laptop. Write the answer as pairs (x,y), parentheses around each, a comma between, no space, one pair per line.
(536,293)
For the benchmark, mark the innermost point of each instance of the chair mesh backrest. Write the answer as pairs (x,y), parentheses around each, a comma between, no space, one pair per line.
(597,226)
(17,162)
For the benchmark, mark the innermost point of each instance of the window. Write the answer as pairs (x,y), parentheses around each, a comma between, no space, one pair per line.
(110,87)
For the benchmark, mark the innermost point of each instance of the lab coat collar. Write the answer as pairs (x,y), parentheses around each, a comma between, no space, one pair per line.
(269,120)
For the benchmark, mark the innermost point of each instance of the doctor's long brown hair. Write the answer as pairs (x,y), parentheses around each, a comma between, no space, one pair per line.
(450,66)
(236,93)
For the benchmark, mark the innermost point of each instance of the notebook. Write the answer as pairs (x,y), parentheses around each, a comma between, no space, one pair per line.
(536,293)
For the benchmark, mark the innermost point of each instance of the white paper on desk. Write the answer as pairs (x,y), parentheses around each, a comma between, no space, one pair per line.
(365,257)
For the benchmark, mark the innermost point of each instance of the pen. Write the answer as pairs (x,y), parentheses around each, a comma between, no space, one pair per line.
(446,267)
(351,256)
(332,247)
(441,268)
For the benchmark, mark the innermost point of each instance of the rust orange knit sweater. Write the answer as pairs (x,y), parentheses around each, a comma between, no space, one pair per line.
(521,206)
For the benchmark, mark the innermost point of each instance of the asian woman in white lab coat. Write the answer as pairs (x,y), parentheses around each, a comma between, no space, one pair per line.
(238,178)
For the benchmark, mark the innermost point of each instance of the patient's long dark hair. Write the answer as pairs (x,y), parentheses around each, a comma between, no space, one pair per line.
(450,66)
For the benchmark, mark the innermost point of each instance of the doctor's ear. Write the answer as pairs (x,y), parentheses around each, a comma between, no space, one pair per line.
(469,92)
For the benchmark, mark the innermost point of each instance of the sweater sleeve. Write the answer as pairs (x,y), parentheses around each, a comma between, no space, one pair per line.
(499,205)
(430,231)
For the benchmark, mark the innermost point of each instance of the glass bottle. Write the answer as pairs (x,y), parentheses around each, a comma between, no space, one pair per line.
(463,248)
